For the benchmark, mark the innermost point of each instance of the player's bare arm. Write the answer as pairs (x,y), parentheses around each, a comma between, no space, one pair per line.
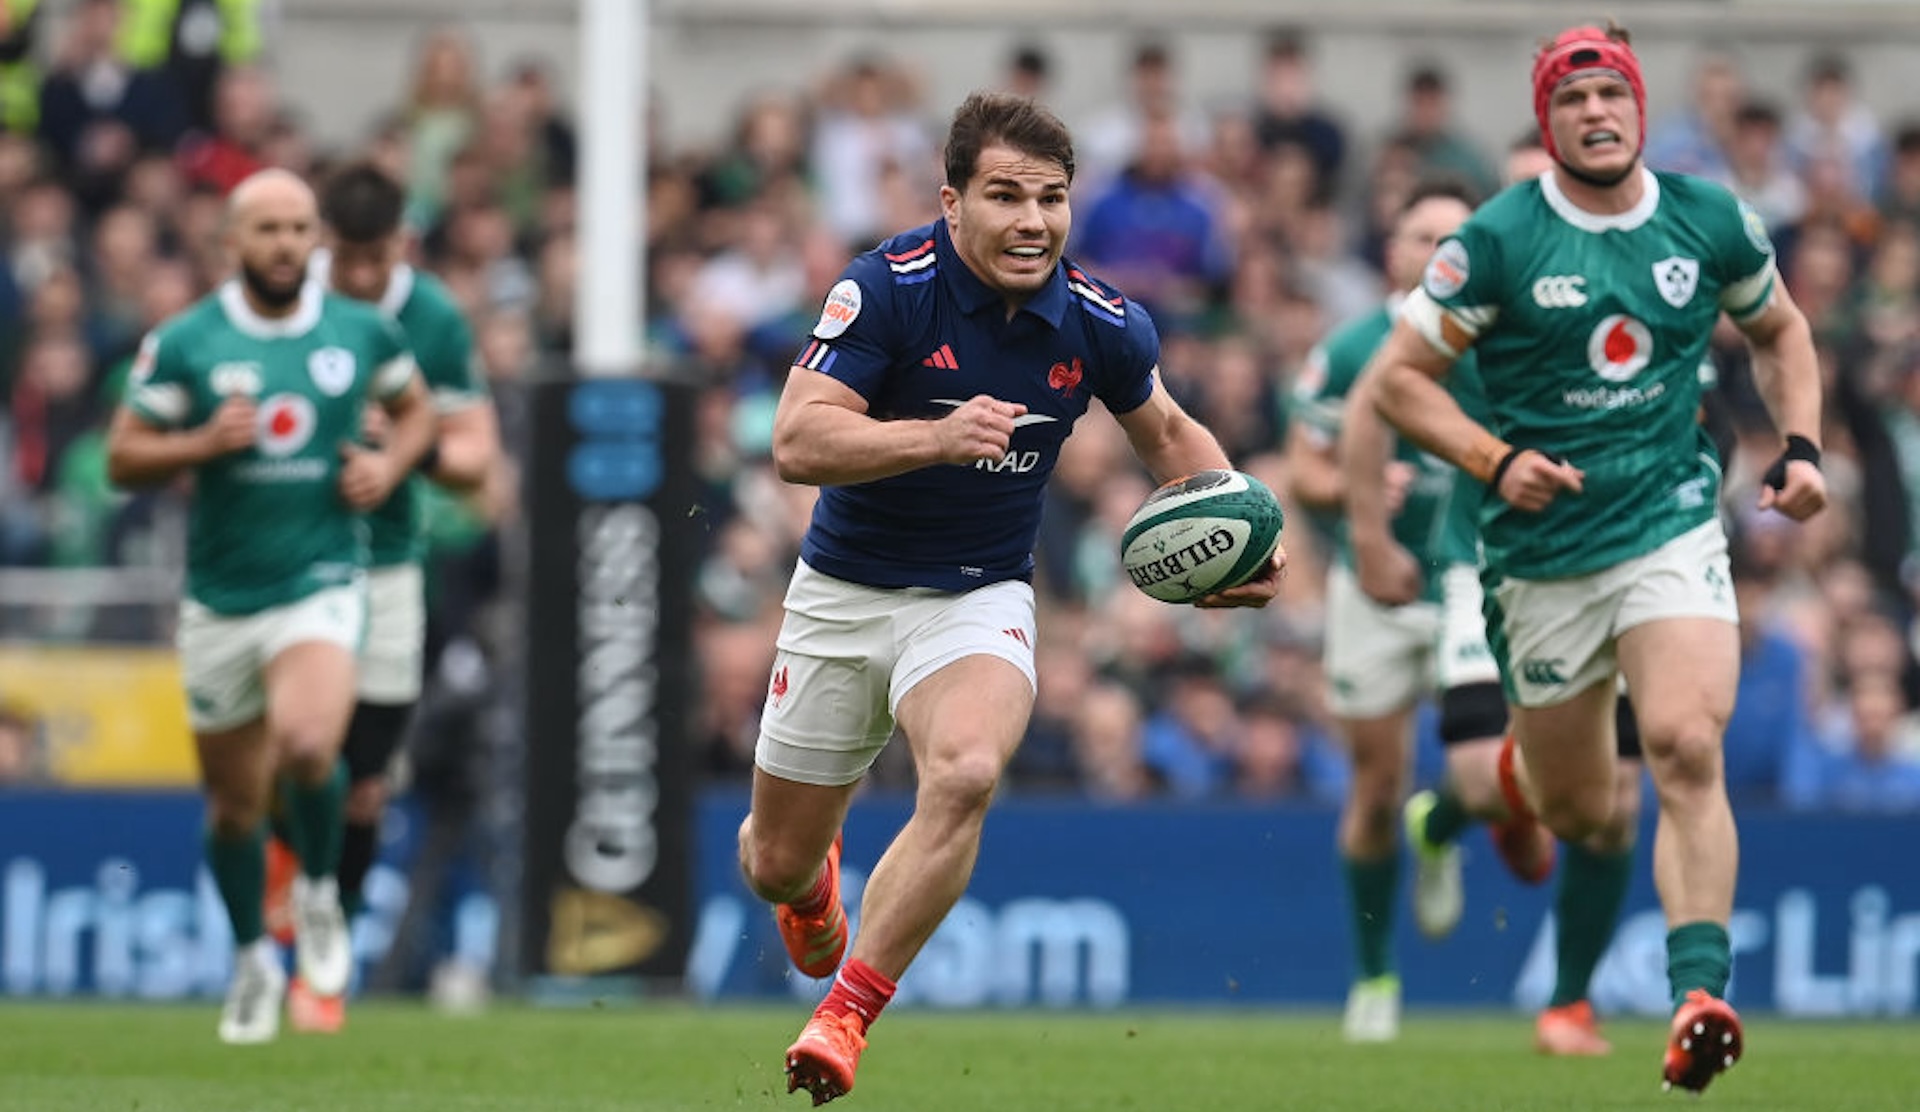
(1387,572)
(140,453)
(1313,470)
(823,436)
(1172,444)
(1787,371)
(1410,397)
(367,475)
(467,448)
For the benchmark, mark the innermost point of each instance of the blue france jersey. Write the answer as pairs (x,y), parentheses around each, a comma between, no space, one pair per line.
(911,330)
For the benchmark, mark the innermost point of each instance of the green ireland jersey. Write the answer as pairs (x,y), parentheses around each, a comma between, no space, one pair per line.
(443,345)
(1320,401)
(1590,331)
(268,526)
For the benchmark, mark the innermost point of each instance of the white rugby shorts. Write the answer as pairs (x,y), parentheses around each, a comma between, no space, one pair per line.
(848,653)
(222,659)
(394,652)
(1560,632)
(1379,659)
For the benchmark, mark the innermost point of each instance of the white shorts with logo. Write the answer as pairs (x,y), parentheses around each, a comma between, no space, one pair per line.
(394,652)
(223,659)
(1379,659)
(1560,633)
(1464,657)
(847,654)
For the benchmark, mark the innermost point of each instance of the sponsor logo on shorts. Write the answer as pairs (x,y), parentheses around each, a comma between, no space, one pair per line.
(1543,673)
(778,687)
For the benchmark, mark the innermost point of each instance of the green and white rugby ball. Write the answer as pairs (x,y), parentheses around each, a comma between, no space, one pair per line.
(1207,532)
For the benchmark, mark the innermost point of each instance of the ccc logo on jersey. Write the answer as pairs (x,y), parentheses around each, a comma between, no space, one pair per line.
(1560,291)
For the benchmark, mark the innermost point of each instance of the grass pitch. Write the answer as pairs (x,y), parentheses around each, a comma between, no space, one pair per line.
(401,1058)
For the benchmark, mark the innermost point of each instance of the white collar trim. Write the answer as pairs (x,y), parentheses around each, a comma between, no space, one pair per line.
(305,316)
(399,288)
(1586,221)
(400,281)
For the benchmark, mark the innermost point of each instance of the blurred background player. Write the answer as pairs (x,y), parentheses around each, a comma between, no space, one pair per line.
(1388,647)
(258,391)
(365,259)
(947,369)
(1608,558)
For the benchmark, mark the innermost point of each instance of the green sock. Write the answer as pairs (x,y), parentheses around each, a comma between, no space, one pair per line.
(1586,907)
(239,867)
(1447,819)
(315,816)
(1370,890)
(1698,956)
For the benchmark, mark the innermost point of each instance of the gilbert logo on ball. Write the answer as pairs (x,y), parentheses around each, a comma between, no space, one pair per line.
(1207,532)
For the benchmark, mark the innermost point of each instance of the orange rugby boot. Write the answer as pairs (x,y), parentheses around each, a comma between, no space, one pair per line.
(1705,1042)
(277,906)
(313,1013)
(816,943)
(1570,1031)
(823,1058)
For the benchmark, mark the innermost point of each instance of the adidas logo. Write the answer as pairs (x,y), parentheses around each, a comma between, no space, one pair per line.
(943,358)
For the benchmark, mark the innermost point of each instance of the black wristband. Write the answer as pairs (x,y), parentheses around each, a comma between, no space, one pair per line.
(429,460)
(1798,448)
(1499,469)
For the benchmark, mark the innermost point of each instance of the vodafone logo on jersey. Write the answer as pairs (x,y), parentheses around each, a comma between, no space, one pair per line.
(285,425)
(1619,348)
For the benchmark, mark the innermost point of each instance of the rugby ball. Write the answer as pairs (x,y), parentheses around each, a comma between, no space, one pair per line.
(1207,532)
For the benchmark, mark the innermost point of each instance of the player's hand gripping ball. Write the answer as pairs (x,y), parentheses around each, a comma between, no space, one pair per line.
(1210,531)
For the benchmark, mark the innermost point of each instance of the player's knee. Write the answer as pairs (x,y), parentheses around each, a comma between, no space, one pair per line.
(231,816)
(307,749)
(1684,754)
(960,779)
(1579,812)
(775,873)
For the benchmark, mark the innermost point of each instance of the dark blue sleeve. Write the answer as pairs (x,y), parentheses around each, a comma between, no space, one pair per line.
(855,338)
(1132,357)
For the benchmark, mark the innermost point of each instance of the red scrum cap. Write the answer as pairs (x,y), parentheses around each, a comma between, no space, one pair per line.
(1578,50)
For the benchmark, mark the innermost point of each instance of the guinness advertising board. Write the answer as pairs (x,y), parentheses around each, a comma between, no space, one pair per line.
(606,890)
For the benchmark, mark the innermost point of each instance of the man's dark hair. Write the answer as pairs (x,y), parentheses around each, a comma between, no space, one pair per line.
(988,119)
(1032,60)
(1757,113)
(362,203)
(1440,186)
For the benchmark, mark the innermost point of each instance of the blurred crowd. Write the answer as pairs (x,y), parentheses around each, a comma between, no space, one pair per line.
(1250,230)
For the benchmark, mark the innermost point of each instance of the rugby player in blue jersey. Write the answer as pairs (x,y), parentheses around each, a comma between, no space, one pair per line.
(947,368)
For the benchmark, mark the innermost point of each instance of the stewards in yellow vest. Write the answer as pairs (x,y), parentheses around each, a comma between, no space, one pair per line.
(194,40)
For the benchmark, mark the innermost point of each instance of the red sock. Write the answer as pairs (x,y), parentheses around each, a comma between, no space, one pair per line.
(818,897)
(860,989)
(1510,781)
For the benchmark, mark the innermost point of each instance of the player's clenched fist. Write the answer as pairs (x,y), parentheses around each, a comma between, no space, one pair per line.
(981,428)
(1532,479)
(366,477)
(232,427)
